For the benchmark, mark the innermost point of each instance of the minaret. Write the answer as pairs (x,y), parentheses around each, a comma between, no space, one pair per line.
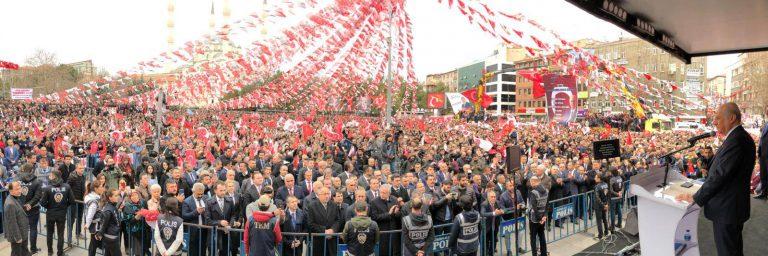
(170,24)
(212,21)
(226,13)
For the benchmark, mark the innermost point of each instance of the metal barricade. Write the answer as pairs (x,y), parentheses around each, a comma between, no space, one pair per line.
(199,239)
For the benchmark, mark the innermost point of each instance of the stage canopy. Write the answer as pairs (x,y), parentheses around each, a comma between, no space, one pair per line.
(689,28)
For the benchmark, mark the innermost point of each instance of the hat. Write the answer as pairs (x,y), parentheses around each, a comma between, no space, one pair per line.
(264,201)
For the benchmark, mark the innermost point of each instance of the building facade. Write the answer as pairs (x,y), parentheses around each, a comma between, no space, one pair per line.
(644,57)
(448,79)
(748,79)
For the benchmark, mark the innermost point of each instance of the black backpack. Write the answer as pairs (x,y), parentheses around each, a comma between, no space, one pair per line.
(96,222)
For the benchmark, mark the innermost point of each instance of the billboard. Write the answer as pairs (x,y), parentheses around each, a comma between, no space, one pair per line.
(21,93)
(562,97)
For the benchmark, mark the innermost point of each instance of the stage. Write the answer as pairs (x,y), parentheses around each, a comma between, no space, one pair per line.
(755,232)
(617,244)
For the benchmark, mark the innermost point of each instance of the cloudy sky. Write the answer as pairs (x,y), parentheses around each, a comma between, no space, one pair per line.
(118,34)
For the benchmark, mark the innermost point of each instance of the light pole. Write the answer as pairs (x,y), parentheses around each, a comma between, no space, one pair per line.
(388,117)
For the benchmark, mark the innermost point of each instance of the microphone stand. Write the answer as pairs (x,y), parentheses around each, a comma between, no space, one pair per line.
(668,159)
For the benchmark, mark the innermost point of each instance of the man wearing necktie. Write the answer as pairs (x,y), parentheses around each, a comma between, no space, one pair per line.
(220,214)
(294,222)
(762,156)
(193,211)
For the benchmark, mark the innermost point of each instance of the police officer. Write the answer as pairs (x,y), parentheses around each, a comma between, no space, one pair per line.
(361,234)
(31,193)
(465,232)
(56,199)
(537,214)
(602,200)
(169,229)
(418,230)
(616,184)
(262,230)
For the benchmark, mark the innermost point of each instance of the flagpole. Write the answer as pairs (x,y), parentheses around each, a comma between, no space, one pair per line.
(388,115)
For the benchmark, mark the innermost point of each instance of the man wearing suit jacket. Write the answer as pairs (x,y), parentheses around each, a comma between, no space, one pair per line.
(385,210)
(15,221)
(762,156)
(323,218)
(295,221)
(290,189)
(398,191)
(220,213)
(194,211)
(725,194)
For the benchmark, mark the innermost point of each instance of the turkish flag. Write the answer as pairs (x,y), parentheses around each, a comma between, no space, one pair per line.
(379,101)
(436,100)
(536,79)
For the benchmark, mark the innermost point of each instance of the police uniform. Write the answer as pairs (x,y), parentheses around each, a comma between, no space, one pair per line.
(361,235)
(601,200)
(465,233)
(419,234)
(537,207)
(616,185)
(31,195)
(56,199)
(169,234)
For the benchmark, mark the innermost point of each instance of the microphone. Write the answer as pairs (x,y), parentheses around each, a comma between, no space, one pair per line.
(696,138)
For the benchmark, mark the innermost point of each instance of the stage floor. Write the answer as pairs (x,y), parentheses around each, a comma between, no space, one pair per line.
(611,246)
(755,232)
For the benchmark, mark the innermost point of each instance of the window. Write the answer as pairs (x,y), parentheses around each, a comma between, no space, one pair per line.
(507,107)
(491,88)
(507,78)
(507,98)
(491,68)
(493,78)
(507,88)
(506,66)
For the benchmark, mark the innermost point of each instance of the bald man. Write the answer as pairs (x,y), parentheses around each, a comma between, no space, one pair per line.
(725,194)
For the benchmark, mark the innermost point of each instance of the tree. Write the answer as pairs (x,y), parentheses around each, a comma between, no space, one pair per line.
(42,57)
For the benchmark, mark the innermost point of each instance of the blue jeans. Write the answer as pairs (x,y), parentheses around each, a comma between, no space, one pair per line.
(616,205)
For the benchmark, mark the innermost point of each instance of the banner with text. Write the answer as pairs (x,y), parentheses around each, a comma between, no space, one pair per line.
(562,100)
(21,93)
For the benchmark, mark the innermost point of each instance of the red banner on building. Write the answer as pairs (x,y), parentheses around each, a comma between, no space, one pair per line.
(562,100)
(436,100)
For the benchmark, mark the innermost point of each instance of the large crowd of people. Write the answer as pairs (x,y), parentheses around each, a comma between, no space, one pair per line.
(273,173)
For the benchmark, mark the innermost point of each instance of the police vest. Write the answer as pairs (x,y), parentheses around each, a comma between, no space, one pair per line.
(538,203)
(59,198)
(261,237)
(469,233)
(616,183)
(168,226)
(418,234)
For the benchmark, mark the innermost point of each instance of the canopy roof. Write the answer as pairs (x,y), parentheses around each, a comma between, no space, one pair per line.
(689,28)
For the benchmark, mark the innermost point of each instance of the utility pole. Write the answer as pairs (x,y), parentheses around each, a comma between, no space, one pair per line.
(388,118)
(160,108)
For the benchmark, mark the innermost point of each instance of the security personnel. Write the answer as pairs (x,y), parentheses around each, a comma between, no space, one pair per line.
(361,234)
(537,214)
(56,199)
(31,193)
(169,229)
(465,232)
(602,199)
(262,231)
(616,184)
(418,230)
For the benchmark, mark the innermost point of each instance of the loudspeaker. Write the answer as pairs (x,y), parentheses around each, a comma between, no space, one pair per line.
(631,223)
(513,158)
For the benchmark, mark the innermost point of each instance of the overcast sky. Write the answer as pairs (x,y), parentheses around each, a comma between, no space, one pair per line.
(118,34)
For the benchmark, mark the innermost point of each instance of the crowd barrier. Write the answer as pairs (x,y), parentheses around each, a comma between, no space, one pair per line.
(568,216)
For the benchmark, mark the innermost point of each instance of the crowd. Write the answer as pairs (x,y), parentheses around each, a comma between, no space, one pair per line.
(268,174)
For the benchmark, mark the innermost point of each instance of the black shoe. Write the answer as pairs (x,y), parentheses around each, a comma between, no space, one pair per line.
(34,251)
(761,197)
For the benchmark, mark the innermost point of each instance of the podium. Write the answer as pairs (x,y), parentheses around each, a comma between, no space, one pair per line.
(667,226)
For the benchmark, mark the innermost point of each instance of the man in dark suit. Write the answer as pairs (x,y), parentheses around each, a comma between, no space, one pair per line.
(323,218)
(193,211)
(220,213)
(398,191)
(762,156)
(725,194)
(491,211)
(385,210)
(293,222)
(290,189)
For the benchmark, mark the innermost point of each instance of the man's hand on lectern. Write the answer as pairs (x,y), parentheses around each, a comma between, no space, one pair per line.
(685,197)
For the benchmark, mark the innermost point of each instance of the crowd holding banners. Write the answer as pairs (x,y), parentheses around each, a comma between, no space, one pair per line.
(312,168)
